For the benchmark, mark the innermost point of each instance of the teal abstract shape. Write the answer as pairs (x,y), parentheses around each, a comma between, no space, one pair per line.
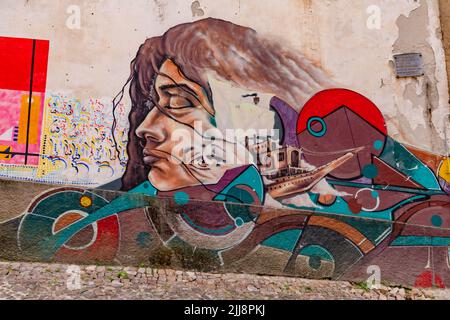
(436,220)
(421,241)
(318,251)
(181,198)
(370,171)
(286,240)
(37,226)
(378,145)
(145,188)
(213,121)
(398,157)
(64,201)
(135,198)
(250,178)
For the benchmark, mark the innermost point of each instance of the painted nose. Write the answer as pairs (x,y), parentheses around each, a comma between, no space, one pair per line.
(151,128)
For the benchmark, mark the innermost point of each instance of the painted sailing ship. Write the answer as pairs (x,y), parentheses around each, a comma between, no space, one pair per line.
(289,175)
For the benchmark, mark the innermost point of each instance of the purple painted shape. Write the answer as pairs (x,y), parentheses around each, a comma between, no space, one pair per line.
(289,118)
(227,178)
(363,180)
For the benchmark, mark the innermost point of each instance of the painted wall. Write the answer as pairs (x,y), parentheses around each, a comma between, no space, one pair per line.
(252,136)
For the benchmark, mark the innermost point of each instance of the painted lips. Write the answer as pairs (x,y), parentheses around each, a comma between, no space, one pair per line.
(150,160)
(152,156)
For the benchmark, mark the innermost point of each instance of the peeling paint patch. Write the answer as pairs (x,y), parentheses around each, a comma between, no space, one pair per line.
(424,94)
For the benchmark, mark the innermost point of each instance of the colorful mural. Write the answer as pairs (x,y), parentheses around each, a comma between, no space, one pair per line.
(78,144)
(23,69)
(240,155)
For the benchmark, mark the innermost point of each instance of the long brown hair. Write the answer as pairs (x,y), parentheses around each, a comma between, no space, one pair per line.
(232,53)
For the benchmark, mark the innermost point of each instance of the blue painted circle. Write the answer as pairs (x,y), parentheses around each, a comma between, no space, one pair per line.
(378,145)
(239,222)
(320,133)
(436,220)
(370,171)
(181,198)
(375,194)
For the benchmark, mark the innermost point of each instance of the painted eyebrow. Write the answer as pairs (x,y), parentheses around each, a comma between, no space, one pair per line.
(179,86)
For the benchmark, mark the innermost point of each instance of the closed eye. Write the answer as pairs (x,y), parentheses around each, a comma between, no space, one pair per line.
(179,102)
(179,97)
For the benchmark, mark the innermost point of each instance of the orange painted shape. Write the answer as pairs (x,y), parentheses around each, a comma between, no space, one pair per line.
(5,156)
(34,120)
(66,220)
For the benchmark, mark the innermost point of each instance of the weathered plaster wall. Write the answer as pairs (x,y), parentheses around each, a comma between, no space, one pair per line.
(444,7)
(426,98)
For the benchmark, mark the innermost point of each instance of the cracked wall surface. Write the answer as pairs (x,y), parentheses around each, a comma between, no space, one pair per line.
(423,93)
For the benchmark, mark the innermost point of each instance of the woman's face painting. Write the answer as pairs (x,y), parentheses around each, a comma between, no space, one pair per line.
(181,142)
(169,131)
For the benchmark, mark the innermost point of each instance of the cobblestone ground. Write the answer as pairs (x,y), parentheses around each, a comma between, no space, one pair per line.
(56,281)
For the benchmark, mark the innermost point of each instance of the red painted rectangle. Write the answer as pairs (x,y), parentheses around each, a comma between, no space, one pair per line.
(16,56)
(40,65)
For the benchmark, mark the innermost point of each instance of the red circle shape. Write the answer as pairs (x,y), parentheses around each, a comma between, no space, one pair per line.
(328,101)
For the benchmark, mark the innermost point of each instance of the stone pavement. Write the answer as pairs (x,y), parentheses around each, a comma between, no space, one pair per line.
(56,281)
